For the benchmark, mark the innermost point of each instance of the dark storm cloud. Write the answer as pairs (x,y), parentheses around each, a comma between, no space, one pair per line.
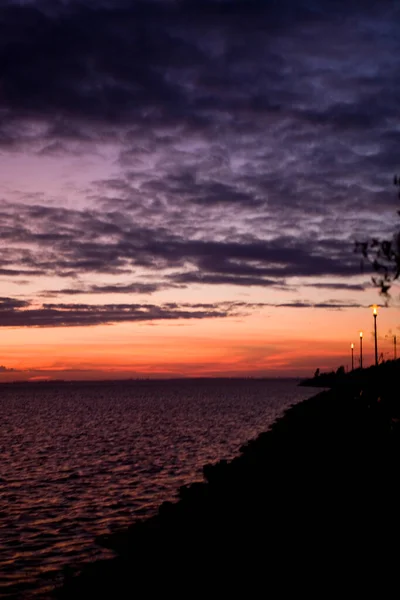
(337,286)
(12,304)
(213,279)
(64,315)
(133,288)
(77,66)
(207,193)
(254,138)
(26,314)
(331,305)
(18,272)
(67,243)
(58,65)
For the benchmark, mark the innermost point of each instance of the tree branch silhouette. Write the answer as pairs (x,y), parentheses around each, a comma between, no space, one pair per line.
(383,256)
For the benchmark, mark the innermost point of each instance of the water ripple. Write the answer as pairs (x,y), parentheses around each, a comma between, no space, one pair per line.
(81,460)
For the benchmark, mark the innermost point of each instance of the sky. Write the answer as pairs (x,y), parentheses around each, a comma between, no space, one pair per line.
(182,183)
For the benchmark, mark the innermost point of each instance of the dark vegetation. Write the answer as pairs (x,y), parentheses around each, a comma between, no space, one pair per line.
(353,379)
(326,380)
(383,256)
(311,504)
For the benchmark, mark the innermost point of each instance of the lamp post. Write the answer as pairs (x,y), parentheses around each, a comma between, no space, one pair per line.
(394,347)
(352,357)
(361,338)
(375,335)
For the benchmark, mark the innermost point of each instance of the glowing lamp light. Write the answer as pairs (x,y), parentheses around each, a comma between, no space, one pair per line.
(361,334)
(375,311)
(352,346)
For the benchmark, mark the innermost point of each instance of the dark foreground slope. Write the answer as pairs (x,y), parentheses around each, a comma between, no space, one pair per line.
(314,500)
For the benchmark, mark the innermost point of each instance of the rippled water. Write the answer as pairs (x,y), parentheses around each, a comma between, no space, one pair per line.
(78,460)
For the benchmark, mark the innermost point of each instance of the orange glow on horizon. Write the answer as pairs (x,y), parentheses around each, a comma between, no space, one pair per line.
(273,342)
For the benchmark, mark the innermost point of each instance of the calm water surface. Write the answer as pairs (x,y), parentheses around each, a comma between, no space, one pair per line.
(79,460)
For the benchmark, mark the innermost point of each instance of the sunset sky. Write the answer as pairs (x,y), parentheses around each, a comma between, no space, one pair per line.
(182,183)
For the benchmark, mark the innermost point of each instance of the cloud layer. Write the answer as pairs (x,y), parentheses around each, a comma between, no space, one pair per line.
(248,144)
(29,314)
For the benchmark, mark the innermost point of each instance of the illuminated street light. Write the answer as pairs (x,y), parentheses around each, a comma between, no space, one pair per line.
(375,310)
(361,338)
(352,357)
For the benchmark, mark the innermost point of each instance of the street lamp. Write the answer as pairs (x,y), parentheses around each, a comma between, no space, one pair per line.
(352,357)
(375,309)
(361,336)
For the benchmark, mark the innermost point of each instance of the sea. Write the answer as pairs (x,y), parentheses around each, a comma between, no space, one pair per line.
(82,459)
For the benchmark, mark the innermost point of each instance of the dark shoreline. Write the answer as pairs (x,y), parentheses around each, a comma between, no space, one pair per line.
(325,476)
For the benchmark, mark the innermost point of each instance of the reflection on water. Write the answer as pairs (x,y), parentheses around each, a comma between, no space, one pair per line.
(79,460)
